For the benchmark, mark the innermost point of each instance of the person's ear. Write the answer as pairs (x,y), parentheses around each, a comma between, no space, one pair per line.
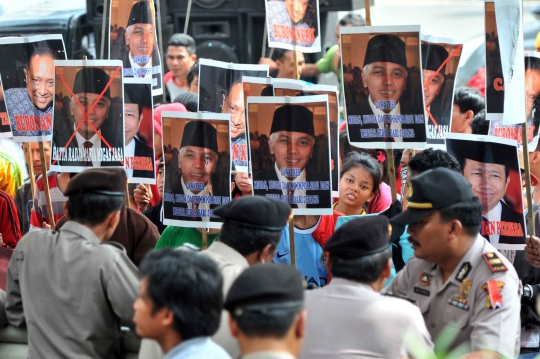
(371,196)
(233,327)
(456,228)
(267,254)
(364,79)
(387,271)
(113,220)
(469,115)
(233,185)
(25,73)
(300,329)
(193,57)
(534,157)
(168,317)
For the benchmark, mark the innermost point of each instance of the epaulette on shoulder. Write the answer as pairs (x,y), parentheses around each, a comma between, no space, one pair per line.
(494,262)
(390,294)
(115,245)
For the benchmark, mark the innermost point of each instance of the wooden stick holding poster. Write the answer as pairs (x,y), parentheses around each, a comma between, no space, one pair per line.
(391,173)
(367,6)
(528,187)
(28,157)
(44,165)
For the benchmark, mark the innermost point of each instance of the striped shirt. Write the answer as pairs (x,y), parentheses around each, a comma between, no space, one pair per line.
(39,212)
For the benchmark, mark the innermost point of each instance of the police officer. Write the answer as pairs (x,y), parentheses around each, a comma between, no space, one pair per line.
(267,317)
(359,261)
(70,289)
(457,277)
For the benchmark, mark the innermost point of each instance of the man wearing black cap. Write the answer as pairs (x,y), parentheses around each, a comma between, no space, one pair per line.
(142,60)
(58,280)
(381,116)
(265,304)
(292,138)
(197,159)
(139,158)
(90,113)
(457,277)
(359,261)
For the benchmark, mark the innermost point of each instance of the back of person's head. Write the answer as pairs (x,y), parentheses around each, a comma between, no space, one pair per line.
(190,100)
(468,212)
(187,284)
(366,162)
(364,269)
(279,54)
(430,158)
(468,98)
(352,20)
(183,40)
(479,124)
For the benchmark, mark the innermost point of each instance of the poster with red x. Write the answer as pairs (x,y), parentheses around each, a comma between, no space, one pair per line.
(90,132)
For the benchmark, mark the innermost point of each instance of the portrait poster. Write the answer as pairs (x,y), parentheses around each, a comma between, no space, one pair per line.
(27,74)
(294,132)
(384,102)
(295,88)
(221,91)
(139,159)
(89,132)
(293,25)
(491,165)
(133,39)
(5,126)
(440,60)
(198,177)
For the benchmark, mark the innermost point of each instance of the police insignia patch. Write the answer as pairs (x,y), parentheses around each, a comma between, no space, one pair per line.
(425,279)
(460,300)
(493,289)
(494,262)
(463,271)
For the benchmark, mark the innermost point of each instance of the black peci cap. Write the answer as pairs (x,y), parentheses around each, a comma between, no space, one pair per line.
(262,286)
(484,152)
(106,181)
(433,56)
(140,14)
(293,118)
(386,48)
(91,80)
(431,191)
(360,237)
(256,212)
(200,134)
(137,94)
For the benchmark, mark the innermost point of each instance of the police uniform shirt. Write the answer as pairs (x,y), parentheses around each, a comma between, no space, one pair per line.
(72,292)
(347,319)
(463,301)
(268,355)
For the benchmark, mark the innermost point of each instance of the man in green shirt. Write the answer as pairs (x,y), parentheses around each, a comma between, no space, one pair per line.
(177,236)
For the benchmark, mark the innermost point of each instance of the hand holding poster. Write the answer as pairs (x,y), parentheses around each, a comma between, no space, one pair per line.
(90,133)
(293,25)
(139,131)
(200,178)
(491,165)
(133,40)
(293,130)
(27,72)
(386,109)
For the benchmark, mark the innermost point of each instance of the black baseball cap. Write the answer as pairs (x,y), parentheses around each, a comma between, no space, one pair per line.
(433,190)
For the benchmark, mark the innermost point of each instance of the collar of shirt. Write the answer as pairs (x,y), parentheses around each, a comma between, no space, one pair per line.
(268,355)
(298,192)
(494,216)
(204,192)
(189,347)
(378,112)
(227,252)
(96,140)
(80,230)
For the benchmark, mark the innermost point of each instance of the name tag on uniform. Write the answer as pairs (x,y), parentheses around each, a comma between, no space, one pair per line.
(422,291)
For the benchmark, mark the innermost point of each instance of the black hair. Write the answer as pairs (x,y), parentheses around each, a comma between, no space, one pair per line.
(532,63)
(468,98)
(355,159)
(247,240)
(189,285)
(92,208)
(279,54)
(273,322)
(352,20)
(468,212)
(430,158)
(193,71)
(479,124)
(364,269)
(40,50)
(183,40)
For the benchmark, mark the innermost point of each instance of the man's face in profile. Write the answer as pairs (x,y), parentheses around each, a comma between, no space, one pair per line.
(488,180)
(292,149)
(140,39)
(433,87)
(296,9)
(96,117)
(132,121)
(385,81)
(532,87)
(40,80)
(234,104)
(197,164)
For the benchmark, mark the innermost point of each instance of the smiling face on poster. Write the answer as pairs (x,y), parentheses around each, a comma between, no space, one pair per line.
(294,132)
(27,71)
(491,165)
(199,179)
(90,131)
(383,97)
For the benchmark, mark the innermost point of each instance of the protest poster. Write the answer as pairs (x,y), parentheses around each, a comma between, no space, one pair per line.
(440,60)
(257,86)
(90,131)
(27,72)
(384,101)
(295,88)
(139,131)
(221,91)
(5,126)
(293,25)
(491,165)
(198,176)
(133,39)
(291,130)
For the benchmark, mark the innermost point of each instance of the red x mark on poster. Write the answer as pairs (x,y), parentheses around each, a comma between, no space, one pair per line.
(85,114)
